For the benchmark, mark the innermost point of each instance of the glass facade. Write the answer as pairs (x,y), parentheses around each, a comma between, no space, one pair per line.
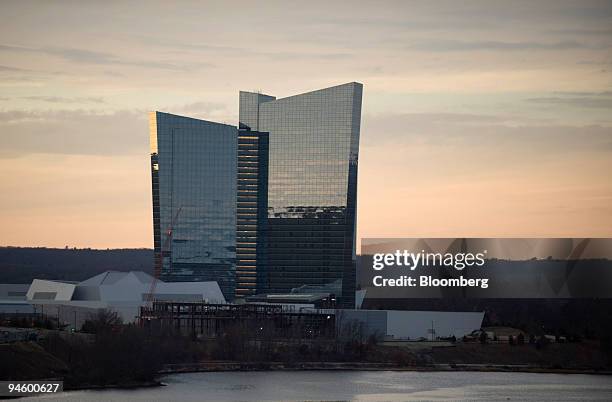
(312,185)
(194,172)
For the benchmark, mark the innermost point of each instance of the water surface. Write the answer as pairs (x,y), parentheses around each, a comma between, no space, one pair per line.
(358,386)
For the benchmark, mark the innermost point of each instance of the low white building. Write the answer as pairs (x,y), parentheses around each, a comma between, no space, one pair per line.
(412,325)
(124,292)
(13,299)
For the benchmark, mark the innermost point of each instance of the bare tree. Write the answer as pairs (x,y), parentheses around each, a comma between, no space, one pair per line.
(101,321)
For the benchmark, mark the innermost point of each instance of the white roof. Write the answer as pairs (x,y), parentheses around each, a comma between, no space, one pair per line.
(115,286)
(113,277)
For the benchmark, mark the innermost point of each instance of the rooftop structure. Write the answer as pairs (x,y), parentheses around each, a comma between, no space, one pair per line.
(124,292)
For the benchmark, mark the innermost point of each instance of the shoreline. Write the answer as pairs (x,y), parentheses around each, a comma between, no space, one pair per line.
(224,366)
(130,385)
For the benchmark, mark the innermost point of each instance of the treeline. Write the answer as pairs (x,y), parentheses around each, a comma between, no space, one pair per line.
(123,357)
(23,264)
(109,353)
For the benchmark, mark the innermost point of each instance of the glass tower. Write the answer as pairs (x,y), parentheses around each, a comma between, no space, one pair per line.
(313,149)
(194,172)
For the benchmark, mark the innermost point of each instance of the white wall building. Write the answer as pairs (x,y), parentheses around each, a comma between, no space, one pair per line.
(13,299)
(412,325)
(123,292)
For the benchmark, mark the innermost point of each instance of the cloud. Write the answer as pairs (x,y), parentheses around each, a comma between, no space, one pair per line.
(13,69)
(594,63)
(243,52)
(78,55)
(211,111)
(584,93)
(583,32)
(12,74)
(197,107)
(405,22)
(594,100)
(62,99)
(582,102)
(445,45)
(100,58)
(78,132)
(482,133)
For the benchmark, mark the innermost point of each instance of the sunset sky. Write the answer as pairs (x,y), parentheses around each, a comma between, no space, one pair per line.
(479,118)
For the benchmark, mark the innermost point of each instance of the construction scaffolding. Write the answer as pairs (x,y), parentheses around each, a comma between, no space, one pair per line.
(259,321)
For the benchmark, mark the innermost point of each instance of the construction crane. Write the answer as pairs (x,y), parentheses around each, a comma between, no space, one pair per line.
(159,262)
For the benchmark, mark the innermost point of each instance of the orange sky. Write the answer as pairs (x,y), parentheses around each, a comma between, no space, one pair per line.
(508,136)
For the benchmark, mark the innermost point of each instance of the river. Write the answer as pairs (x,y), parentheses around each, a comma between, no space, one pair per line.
(357,386)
